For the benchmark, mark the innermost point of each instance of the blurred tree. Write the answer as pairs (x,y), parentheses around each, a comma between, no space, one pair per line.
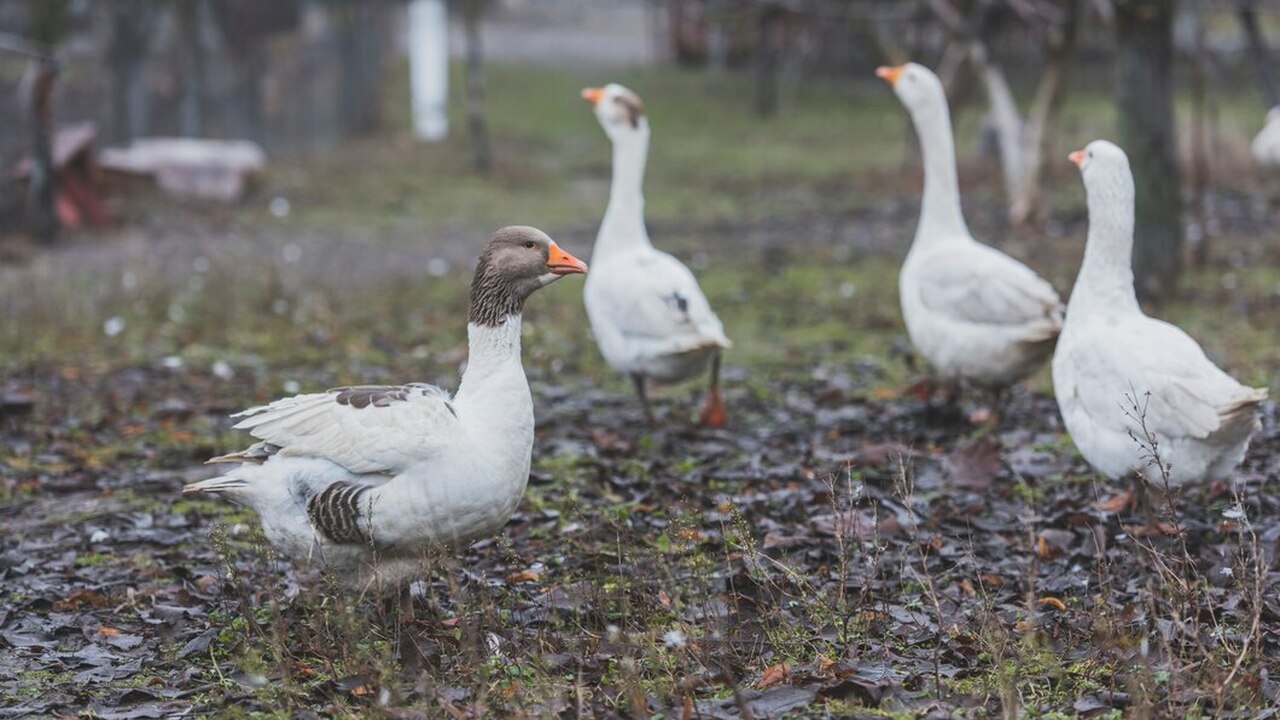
(1247,10)
(192,15)
(717,38)
(50,20)
(246,26)
(768,31)
(1200,200)
(1023,141)
(1144,101)
(477,127)
(132,23)
(359,39)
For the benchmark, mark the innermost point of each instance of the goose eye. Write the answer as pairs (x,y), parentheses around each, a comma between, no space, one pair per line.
(529,244)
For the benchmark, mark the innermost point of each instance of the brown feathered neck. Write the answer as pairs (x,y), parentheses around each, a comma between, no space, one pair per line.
(495,296)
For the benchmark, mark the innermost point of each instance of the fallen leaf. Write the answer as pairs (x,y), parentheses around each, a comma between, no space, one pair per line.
(1052,602)
(1116,502)
(522,577)
(80,598)
(774,674)
(974,465)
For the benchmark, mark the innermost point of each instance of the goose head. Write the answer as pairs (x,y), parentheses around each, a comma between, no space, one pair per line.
(917,87)
(1108,182)
(619,110)
(517,261)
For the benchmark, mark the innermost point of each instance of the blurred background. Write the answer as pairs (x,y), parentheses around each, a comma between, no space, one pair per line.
(179,171)
(207,204)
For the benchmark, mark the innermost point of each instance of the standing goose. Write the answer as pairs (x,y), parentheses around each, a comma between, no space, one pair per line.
(1112,355)
(361,480)
(973,312)
(647,313)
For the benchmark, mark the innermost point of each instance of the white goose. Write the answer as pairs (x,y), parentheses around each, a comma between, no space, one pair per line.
(973,312)
(1111,352)
(1266,144)
(360,480)
(647,313)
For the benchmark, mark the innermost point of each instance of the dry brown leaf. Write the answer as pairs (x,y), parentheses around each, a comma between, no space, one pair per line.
(774,674)
(1116,502)
(80,598)
(522,577)
(1052,602)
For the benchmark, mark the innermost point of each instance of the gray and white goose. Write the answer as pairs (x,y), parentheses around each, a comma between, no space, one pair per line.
(362,480)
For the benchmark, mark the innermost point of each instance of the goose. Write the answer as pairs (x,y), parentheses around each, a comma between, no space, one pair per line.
(1266,144)
(973,312)
(359,481)
(647,312)
(1113,361)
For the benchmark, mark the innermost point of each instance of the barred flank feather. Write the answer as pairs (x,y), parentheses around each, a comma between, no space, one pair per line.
(337,511)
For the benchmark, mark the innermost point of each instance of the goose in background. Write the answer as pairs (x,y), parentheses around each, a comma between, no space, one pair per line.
(973,312)
(362,480)
(647,312)
(1116,370)
(1266,144)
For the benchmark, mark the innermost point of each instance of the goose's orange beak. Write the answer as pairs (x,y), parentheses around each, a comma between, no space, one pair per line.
(592,95)
(1077,157)
(560,262)
(890,74)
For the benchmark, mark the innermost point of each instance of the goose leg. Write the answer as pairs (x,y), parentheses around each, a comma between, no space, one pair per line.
(639,381)
(713,408)
(407,650)
(989,415)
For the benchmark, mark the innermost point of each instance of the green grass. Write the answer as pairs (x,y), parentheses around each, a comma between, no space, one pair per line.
(836,145)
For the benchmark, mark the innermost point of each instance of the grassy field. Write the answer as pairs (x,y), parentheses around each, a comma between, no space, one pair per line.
(843,549)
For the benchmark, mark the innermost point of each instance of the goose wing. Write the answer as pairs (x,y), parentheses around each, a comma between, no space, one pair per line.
(1177,390)
(982,285)
(364,429)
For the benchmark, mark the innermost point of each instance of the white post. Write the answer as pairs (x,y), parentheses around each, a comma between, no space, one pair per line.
(429,69)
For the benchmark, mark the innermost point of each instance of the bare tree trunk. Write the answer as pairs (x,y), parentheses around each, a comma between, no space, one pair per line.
(1200,209)
(1144,100)
(717,39)
(131,24)
(1027,204)
(1259,51)
(477,126)
(246,27)
(191,18)
(766,60)
(360,66)
(42,188)
(1023,142)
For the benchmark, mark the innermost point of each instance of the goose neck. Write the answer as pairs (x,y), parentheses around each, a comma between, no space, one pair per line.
(940,212)
(1106,273)
(493,360)
(623,226)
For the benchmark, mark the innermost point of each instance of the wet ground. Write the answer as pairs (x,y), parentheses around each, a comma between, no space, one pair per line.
(846,547)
